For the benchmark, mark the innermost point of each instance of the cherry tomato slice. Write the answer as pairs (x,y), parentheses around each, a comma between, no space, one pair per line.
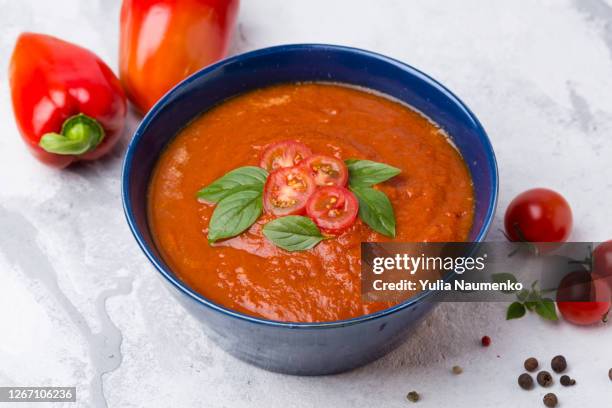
(333,209)
(284,154)
(326,170)
(287,191)
(583,300)
(538,215)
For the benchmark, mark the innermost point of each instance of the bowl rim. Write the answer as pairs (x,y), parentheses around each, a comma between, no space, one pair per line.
(200,299)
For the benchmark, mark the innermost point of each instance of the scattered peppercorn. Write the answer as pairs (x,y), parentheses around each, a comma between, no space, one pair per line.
(610,374)
(544,379)
(558,364)
(457,370)
(567,381)
(413,396)
(550,400)
(485,341)
(531,364)
(525,381)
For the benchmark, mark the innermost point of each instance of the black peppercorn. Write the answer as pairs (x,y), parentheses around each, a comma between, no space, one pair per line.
(550,400)
(558,364)
(610,374)
(544,379)
(531,364)
(413,396)
(525,381)
(567,381)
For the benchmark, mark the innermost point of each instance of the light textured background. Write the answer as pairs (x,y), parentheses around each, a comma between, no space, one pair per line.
(79,304)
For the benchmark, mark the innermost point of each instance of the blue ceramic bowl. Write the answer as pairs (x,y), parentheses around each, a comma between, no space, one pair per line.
(302,348)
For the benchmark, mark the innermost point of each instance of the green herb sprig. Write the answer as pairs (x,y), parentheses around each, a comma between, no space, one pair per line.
(375,208)
(366,173)
(238,195)
(532,300)
(293,233)
(248,177)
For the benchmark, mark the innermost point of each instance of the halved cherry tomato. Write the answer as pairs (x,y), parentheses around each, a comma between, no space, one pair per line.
(284,154)
(333,209)
(583,300)
(287,191)
(538,215)
(326,170)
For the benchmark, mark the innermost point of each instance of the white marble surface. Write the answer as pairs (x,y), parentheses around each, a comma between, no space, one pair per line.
(79,304)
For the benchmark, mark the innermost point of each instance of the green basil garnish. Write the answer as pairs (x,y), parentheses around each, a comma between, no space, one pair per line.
(546,308)
(239,203)
(515,311)
(238,195)
(375,210)
(366,173)
(528,300)
(249,177)
(293,233)
(235,213)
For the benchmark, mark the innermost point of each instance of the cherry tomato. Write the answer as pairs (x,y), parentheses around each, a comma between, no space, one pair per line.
(333,209)
(538,215)
(284,154)
(583,300)
(287,190)
(602,262)
(326,170)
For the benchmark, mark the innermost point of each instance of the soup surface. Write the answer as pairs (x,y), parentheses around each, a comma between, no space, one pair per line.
(432,197)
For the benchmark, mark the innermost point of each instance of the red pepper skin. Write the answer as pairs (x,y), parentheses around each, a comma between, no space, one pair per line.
(164,41)
(52,80)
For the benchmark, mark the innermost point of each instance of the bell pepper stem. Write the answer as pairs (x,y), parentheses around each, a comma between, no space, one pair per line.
(80,134)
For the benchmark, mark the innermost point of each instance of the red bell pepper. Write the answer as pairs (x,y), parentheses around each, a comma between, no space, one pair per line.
(164,41)
(68,103)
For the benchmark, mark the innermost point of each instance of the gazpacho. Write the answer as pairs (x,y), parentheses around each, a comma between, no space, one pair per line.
(261,203)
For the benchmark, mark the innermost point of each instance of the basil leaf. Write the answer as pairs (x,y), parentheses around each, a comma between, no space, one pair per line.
(367,172)
(515,311)
(546,309)
(504,278)
(248,177)
(234,213)
(293,233)
(375,210)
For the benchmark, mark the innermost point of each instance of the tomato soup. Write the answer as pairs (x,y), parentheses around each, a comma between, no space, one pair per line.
(432,197)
